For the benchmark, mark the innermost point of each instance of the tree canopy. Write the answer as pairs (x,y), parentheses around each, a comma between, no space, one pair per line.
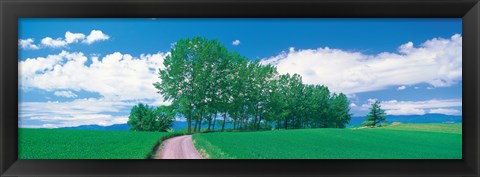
(376,116)
(146,118)
(205,81)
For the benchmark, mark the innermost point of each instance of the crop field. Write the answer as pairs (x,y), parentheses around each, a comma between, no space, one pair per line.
(86,144)
(445,128)
(404,141)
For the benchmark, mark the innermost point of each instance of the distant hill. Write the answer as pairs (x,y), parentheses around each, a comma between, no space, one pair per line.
(427,118)
(355,121)
(121,127)
(177,125)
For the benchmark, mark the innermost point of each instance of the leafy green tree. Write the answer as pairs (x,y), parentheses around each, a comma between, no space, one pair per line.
(203,79)
(376,116)
(177,78)
(340,108)
(294,98)
(145,118)
(164,118)
(189,77)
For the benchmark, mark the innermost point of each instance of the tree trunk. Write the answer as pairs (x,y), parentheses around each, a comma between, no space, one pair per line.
(214,120)
(189,122)
(259,120)
(200,122)
(200,125)
(255,118)
(209,122)
(286,123)
(240,126)
(224,120)
(293,122)
(240,122)
(235,121)
(196,125)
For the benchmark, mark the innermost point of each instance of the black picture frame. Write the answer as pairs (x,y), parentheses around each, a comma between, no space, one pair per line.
(11,10)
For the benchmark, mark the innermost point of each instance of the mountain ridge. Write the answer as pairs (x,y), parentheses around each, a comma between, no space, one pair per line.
(355,121)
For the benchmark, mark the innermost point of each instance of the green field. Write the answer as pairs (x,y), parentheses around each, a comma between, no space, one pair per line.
(86,144)
(404,141)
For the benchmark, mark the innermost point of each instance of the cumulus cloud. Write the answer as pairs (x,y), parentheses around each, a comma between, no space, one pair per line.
(73,37)
(94,36)
(54,43)
(27,44)
(437,62)
(116,76)
(402,87)
(352,105)
(236,42)
(395,107)
(66,94)
(121,80)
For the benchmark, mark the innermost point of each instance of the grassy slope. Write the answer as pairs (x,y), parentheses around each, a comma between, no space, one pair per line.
(86,144)
(437,127)
(404,141)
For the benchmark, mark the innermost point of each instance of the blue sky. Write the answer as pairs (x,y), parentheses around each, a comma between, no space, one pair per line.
(412,66)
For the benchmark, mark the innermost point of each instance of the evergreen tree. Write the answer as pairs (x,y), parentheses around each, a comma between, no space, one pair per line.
(376,116)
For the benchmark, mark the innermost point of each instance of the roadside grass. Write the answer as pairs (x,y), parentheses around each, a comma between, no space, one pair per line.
(403,141)
(158,146)
(87,144)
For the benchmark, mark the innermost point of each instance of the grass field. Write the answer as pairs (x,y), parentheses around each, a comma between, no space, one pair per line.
(86,144)
(403,141)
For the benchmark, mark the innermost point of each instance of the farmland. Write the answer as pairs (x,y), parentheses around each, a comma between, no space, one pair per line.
(86,144)
(404,141)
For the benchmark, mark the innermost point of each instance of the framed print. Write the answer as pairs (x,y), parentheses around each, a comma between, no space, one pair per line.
(239,88)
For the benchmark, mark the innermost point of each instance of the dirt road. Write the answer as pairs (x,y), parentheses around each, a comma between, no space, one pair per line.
(180,147)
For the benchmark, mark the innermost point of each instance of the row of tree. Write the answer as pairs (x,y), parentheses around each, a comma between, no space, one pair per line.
(207,83)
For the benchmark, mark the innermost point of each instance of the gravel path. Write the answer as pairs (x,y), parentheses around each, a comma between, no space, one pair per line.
(180,147)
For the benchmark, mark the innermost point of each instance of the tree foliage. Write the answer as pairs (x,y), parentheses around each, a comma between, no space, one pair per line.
(376,116)
(145,118)
(206,84)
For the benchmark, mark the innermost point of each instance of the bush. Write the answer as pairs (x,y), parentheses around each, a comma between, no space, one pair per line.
(369,123)
(145,118)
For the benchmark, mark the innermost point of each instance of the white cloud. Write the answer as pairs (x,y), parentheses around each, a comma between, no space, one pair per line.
(353,105)
(437,62)
(66,94)
(73,113)
(402,87)
(31,66)
(446,111)
(236,42)
(73,37)
(116,76)
(27,44)
(405,111)
(54,43)
(96,35)
(394,104)
(394,107)
(121,80)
